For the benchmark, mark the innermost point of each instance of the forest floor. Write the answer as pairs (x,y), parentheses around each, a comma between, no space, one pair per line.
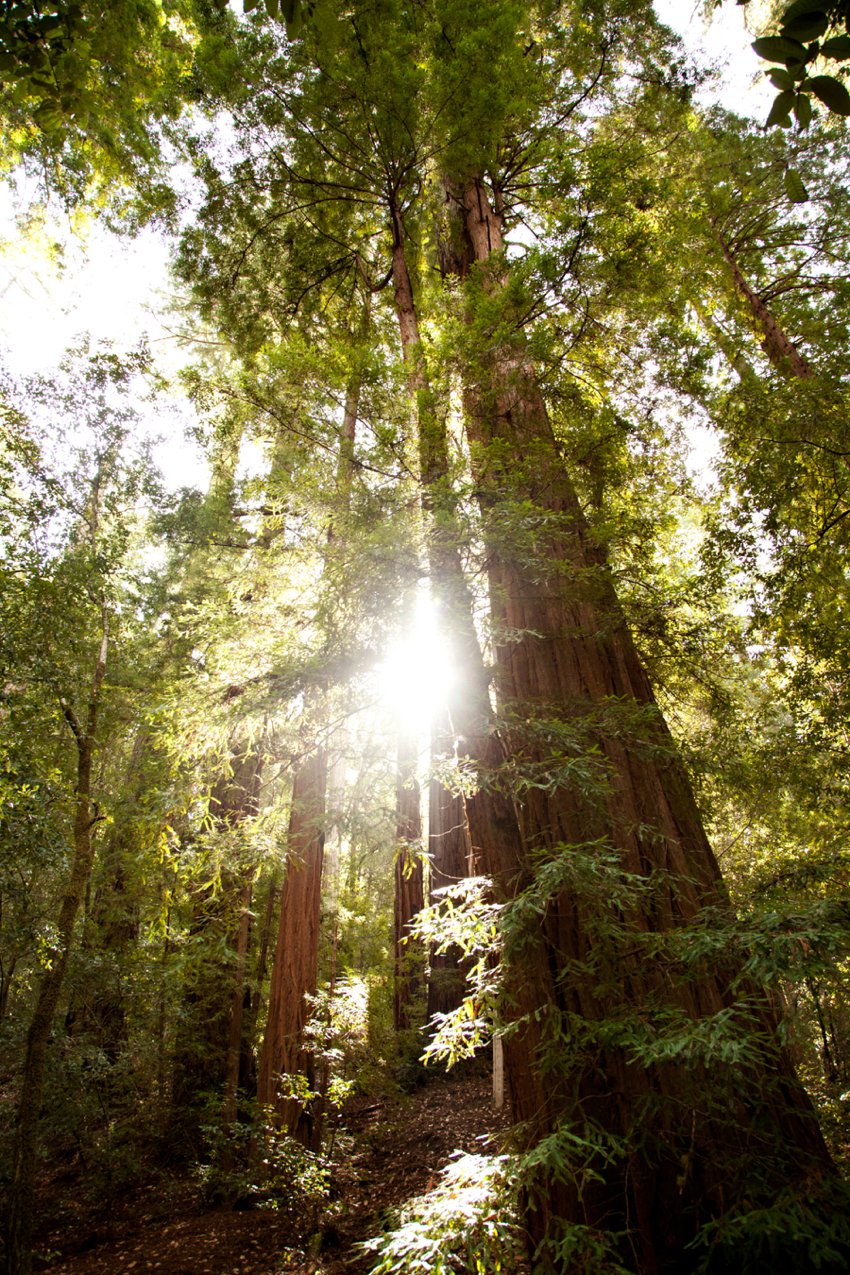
(398,1146)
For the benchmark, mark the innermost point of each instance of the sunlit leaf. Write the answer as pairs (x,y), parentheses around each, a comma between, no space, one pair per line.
(794,187)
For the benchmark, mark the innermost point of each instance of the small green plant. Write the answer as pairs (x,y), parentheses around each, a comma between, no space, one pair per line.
(467,1223)
(466,918)
(259,1164)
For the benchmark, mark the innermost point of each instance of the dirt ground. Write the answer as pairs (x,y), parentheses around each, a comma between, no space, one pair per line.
(399,1147)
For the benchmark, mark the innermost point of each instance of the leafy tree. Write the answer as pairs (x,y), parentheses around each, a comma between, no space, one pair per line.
(67,567)
(578,776)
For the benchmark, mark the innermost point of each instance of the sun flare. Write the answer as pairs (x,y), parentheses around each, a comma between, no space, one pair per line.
(417,673)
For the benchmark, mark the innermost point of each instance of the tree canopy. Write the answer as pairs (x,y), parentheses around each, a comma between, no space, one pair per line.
(466,284)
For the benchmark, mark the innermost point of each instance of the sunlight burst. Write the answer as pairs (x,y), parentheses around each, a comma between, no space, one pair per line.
(417,672)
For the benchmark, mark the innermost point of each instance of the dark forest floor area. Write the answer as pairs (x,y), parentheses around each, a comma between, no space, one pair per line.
(398,1146)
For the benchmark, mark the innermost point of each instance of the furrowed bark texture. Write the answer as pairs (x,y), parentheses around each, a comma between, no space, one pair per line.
(489,816)
(700,1139)
(295,969)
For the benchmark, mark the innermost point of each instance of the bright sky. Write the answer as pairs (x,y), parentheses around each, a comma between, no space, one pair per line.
(726,43)
(59,286)
(116,289)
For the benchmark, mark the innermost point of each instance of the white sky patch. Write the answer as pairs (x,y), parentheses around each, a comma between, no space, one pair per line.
(253,459)
(57,286)
(726,43)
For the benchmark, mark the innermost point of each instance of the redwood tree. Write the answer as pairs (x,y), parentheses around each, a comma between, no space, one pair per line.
(657,1109)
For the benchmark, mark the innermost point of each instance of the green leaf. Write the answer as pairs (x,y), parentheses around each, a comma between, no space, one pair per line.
(781,109)
(48,117)
(273,8)
(806,27)
(778,48)
(781,79)
(803,110)
(794,188)
(831,92)
(248,5)
(837,46)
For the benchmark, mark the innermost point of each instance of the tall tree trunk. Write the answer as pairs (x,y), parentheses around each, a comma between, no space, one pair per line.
(777,345)
(409,889)
(489,815)
(237,1009)
(294,971)
(248,1076)
(669,1146)
(111,925)
(449,854)
(19,1215)
(295,968)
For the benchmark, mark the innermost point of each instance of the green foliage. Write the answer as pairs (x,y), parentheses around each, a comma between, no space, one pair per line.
(798,46)
(337,1035)
(468,1222)
(278,589)
(464,919)
(87,85)
(256,1163)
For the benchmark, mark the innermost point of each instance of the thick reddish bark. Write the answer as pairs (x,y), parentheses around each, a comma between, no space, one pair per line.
(294,972)
(409,890)
(284,1056)
(469,731)
(700,1140)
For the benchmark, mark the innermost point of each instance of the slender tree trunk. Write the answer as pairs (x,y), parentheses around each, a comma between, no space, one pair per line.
(237,1009)
(19,1215)
(111,919)
(695,1139)
(449,854)
(7,973)
(409,890)
(295,969)
(294,972)
(734,356)
(249,1076)
(778,346)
